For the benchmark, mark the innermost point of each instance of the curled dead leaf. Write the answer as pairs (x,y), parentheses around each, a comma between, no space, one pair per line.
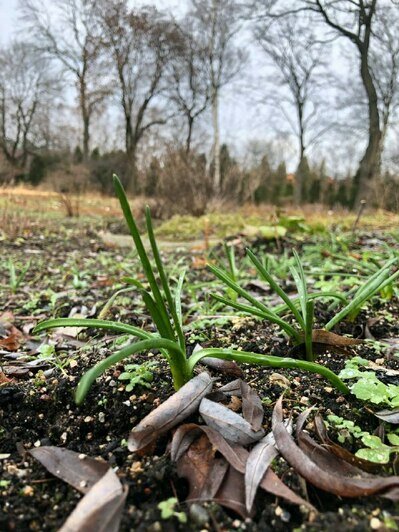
(101,507)
(327,479)
(232,426)
(170,413)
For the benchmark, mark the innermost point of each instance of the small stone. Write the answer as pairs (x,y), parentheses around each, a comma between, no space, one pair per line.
(88,419)
(375,523)
(304,400)
(328,389)
(64,437)
(198,514)
(155,527)
(236,523)
(136,468)
(83,483)
(101,417)
(27,491)
(280,380)
(82,456)
(235,404)
(37,443)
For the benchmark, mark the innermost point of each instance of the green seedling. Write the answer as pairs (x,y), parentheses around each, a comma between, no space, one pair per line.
(375,449)
(138,375)
(168,510)
(164,306)
(302,307)
(15,279)
(347,430)
(367,386)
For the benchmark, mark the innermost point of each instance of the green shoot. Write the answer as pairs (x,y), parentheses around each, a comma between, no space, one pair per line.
(165,309)
(301,307)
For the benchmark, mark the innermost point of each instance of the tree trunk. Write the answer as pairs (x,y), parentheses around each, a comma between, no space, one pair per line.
(190,122)
(216,142)
(369,167)
(85,119)
(299,174)
(299,181)
(131,171)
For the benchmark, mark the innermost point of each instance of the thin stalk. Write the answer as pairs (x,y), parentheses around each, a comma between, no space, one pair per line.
(364,293)
(287,328)
(107,307)
(163,324)
(181,372)
(164,280)
(301,284)
(269,361)
(232,261)
(314,295)
(99,324)
(220,274)
(309,330)
(120,192)
(275,287)
(178,292)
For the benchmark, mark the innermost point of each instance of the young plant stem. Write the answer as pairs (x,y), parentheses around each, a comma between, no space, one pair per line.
(164,280)
(120,192)
(275,287)
(309,330)
(269,361)
(98,324)
(178,363)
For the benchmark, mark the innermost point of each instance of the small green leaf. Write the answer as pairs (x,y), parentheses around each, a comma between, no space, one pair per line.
(380,456)
(393,439)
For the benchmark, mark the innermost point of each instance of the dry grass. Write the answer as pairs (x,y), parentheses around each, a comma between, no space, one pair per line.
(20,207)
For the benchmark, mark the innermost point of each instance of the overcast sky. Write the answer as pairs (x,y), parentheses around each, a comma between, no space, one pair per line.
(242,117)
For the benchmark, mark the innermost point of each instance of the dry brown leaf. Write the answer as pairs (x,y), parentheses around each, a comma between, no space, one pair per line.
(197,465)
(99,510)
(78,470)
(321,336)
(252,408)
(101,507)
(259,460)
(231,426)
(390,416)
(237,457)
(232,493)
(232,388)
(227,367)
(328,481)
(4,379)
(13,340)
(170,413)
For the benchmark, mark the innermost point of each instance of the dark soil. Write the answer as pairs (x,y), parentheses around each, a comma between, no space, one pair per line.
(37,408)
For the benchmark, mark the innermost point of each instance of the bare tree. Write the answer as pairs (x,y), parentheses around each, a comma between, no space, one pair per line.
(188,85)
(217,22)
(25,82)
(355,21)
(384,63)
(298,57)
(139,45)
(68,32)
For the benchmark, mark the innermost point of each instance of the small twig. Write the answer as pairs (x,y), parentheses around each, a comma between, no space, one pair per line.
(360,212)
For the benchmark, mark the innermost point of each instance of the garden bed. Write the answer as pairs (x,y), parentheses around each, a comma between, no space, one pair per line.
(73,273)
